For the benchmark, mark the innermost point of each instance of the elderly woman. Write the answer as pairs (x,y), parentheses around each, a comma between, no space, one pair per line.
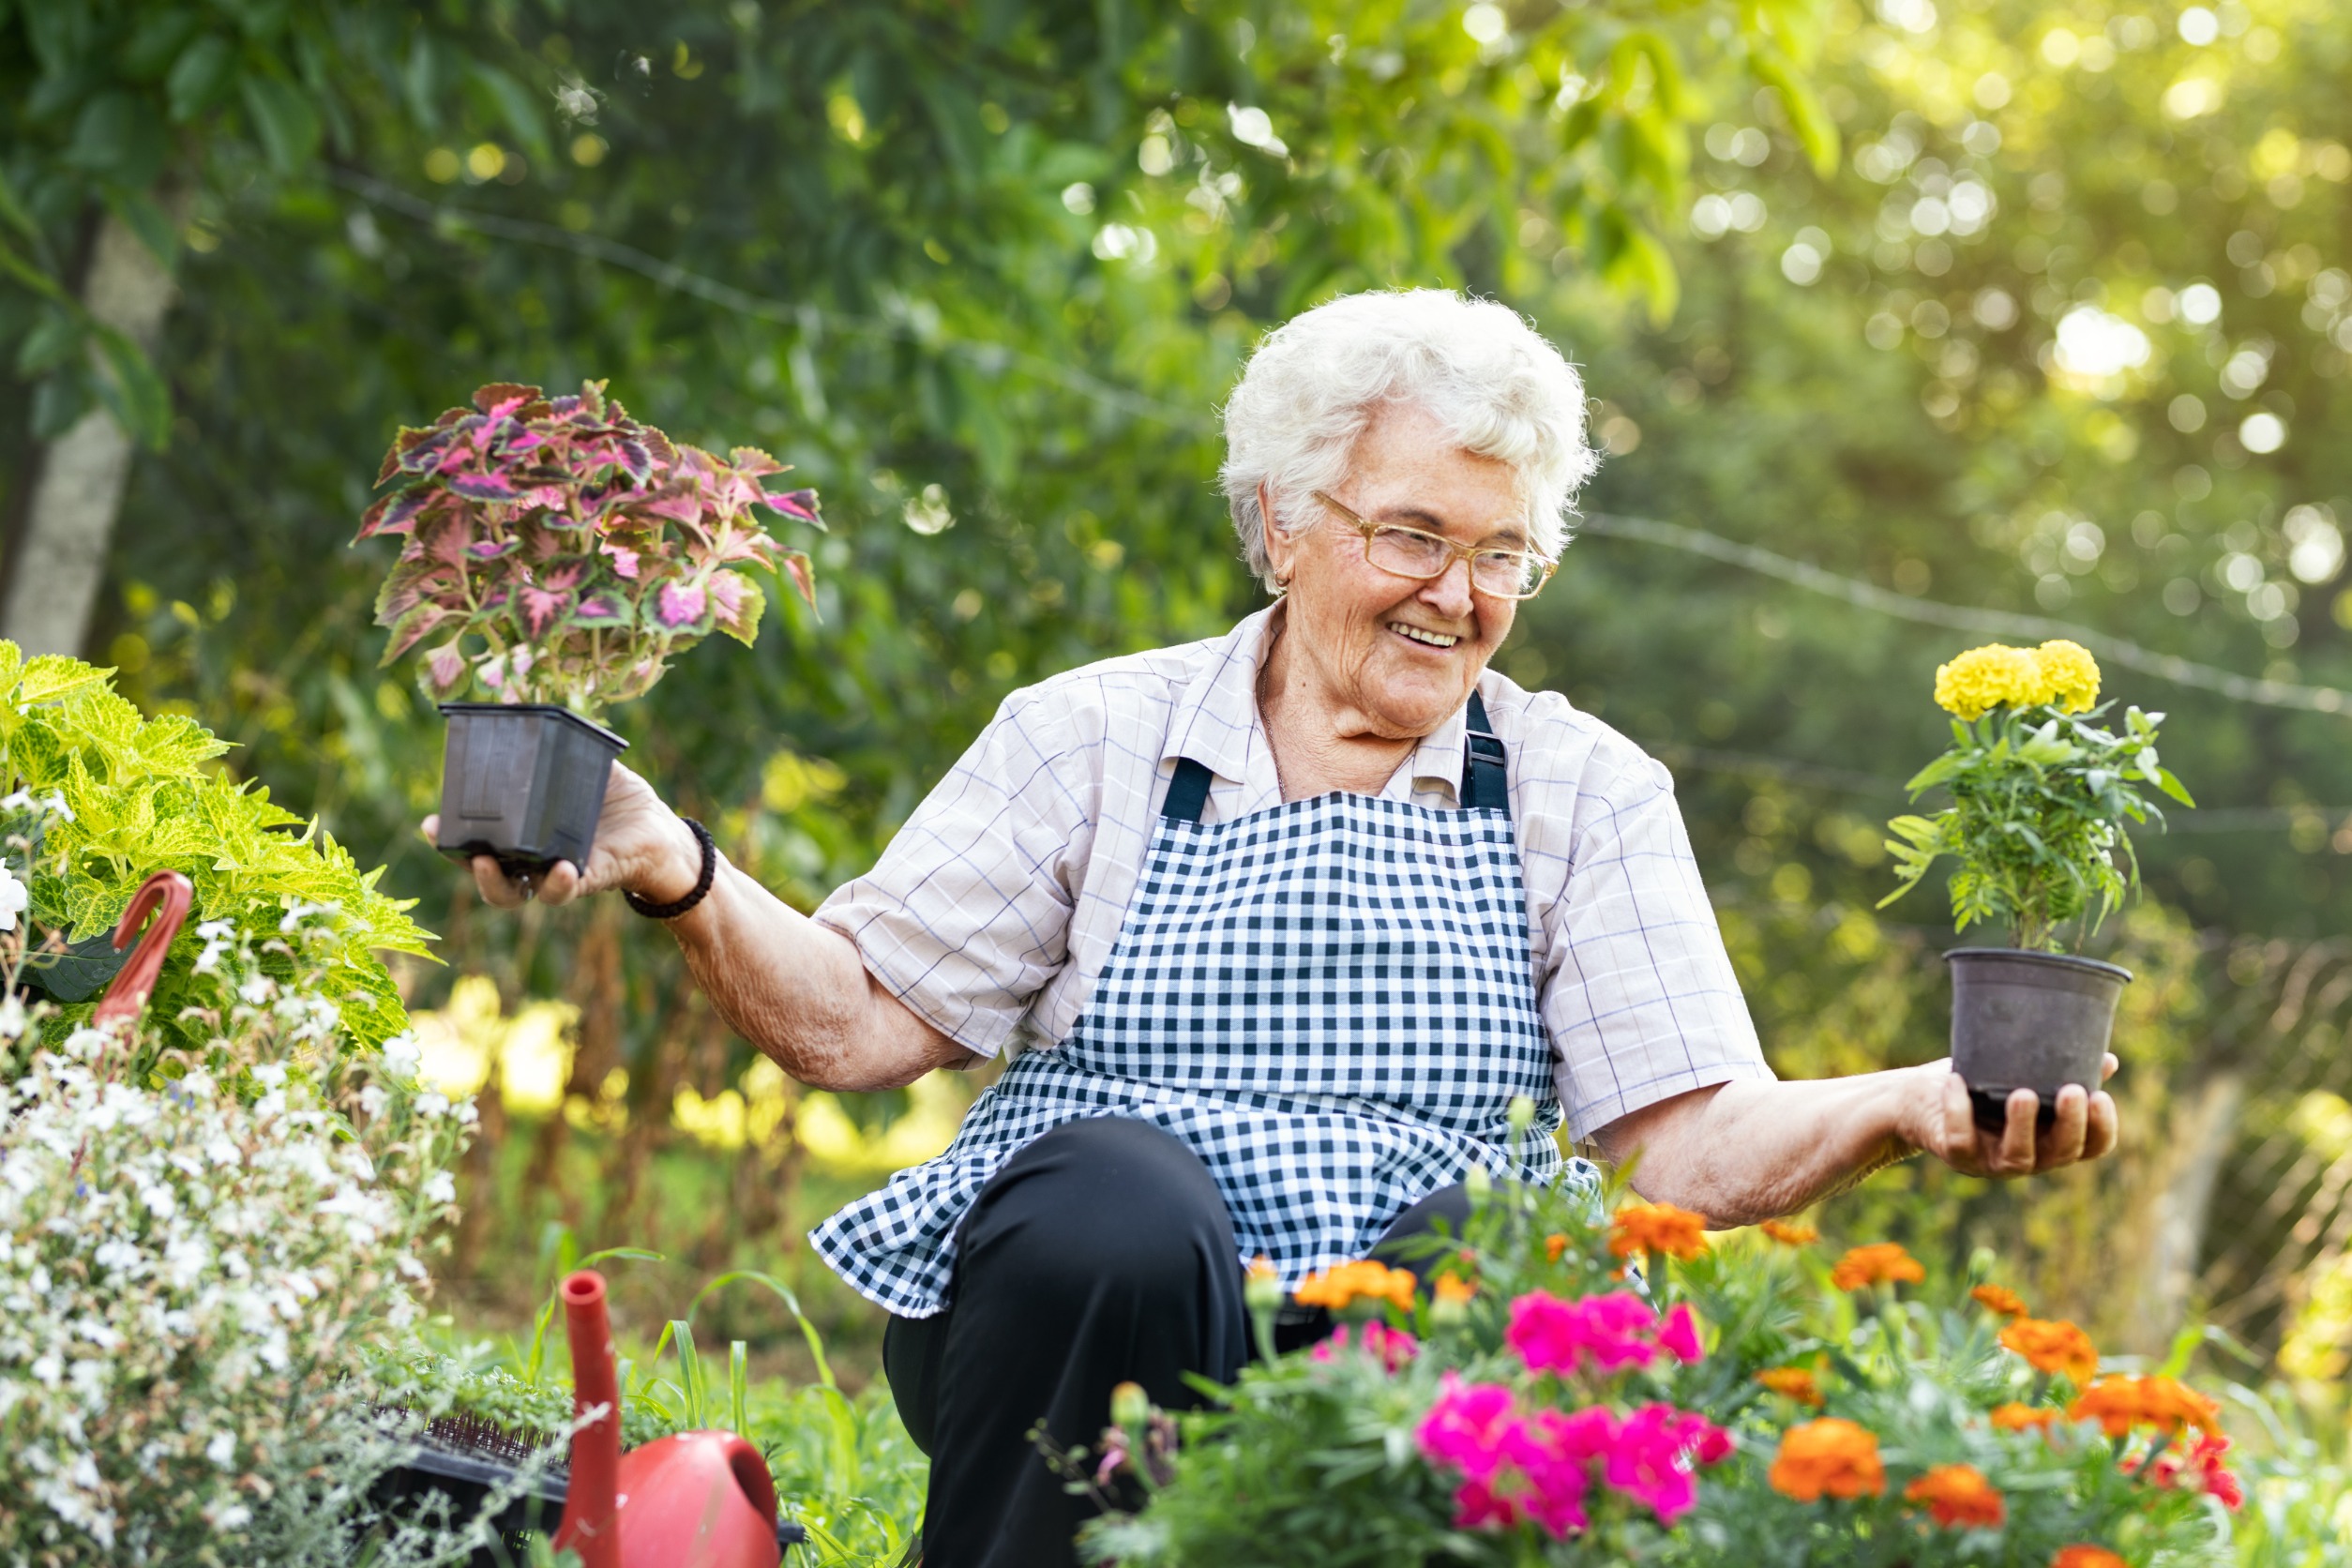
(1275,928)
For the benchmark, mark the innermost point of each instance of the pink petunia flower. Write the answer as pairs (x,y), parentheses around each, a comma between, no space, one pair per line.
(1392,1347)
(1466,1427)
(1678,1336)
(1605,1334)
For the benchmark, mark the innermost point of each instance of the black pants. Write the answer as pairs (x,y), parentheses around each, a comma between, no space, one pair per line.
(1099,1254)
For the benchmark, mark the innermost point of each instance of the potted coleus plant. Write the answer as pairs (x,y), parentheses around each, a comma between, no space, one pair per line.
(555,555)
(2041,794)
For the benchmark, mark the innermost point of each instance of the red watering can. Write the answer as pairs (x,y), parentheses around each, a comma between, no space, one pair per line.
(698,1499)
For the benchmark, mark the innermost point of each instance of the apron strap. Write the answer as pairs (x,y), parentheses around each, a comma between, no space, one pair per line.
(1485,767)
(1187,793)
(1486,774)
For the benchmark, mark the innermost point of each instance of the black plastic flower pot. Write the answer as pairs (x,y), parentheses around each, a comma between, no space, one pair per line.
(2028,1020)
(523,782)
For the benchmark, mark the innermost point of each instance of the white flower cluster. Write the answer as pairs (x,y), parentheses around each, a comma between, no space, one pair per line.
(191,1266)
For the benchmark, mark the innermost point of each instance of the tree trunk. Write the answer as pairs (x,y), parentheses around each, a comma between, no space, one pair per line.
(60,557)
(2203,1121)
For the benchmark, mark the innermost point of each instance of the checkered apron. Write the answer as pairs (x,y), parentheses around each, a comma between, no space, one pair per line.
(1330,1002)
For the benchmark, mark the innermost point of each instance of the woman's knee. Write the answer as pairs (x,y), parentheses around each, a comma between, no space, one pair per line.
(1108,1200)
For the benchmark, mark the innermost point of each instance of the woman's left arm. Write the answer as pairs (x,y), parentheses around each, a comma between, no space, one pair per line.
(1745,1150)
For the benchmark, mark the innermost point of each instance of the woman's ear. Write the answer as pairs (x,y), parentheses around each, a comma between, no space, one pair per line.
(1281,550)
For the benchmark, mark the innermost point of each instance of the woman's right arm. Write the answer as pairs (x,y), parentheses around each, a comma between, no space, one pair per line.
(796,989)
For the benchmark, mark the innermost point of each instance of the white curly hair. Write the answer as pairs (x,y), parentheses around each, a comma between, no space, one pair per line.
(1478,368)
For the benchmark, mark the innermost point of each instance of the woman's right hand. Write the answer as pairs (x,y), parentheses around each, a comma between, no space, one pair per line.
(642,846)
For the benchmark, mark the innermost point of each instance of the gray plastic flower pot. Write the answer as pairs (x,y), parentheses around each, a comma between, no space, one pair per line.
(2028,1020)
(523,782)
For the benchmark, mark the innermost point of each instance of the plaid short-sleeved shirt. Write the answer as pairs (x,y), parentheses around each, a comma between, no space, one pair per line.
(994,910)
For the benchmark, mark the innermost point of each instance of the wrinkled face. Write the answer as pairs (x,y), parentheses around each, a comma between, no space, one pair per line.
(1390,655)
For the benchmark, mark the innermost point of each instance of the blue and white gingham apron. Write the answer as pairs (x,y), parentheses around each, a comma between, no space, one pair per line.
(1330,1002)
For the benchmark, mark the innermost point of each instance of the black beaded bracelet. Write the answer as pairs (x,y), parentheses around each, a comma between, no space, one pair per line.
(702,883)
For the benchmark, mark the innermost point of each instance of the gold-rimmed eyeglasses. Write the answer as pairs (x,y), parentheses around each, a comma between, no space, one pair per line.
(1500,574)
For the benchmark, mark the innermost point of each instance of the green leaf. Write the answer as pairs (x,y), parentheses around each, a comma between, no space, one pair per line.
(518,105)
(2173,787)
(199,77)
(134,392)
(78,972)
(284,123)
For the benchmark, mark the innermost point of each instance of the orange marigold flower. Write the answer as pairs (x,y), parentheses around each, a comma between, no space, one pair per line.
(1554,1244)
(2053,1345)
(1794,1381)
(1657,1227)
(1999,1301)
(2013,1417)
(1880,1262)
(1338,1285)
(2087,1557)
(1453,1287)
(1828,1458)
(2121,1403)
(1958,1497)
(1789,1234)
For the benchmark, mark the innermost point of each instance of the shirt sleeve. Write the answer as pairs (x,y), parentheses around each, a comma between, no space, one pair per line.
(967,913)
(1640,996)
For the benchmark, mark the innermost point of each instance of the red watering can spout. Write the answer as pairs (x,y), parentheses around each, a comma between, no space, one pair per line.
(699,1499)
(166,894)
(589,1525)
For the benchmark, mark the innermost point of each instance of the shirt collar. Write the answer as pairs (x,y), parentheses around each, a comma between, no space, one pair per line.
(1217,724)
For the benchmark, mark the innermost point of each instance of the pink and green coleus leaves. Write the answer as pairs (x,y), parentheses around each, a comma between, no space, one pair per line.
(553,549)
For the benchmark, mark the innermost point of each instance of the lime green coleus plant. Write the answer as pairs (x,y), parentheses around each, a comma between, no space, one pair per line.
(138,795)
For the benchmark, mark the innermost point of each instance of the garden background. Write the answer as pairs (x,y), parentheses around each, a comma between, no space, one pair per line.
(1909,325)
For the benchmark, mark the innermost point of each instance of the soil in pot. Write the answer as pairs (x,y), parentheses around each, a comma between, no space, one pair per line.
(523,782)
(2028,1020)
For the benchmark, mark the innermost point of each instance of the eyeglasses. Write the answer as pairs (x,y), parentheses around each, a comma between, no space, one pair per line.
(1500,574)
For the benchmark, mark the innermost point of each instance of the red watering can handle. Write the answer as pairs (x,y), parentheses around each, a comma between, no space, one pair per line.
(167,895)
(592,1501)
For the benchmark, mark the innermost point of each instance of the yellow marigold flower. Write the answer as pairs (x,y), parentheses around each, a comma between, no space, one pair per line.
(2053,1345)
(1454,1289)
(1993,676)
(1959,1498)
(2070,676)
(1828,1458)
(1880,1262)
(2015,1417)
(1555,1244)
(1793,1382)
(1789,1234)
(1999,1301)
(1657,1227)
(1338,1286)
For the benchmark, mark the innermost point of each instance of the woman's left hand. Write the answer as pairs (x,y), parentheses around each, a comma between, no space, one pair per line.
(1939,1120)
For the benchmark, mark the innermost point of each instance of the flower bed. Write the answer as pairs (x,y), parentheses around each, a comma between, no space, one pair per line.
(1581,1388)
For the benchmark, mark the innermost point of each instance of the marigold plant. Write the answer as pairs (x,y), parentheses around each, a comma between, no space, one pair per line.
(2040,795)
(1789,1234)
(1569,1417)
(1828,1458)
(1877,1264)
(2053,1345)
(1641,1228)
(1999,1299)
(1958,1497)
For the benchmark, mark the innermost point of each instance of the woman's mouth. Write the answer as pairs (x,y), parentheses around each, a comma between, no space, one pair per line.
(1422,635)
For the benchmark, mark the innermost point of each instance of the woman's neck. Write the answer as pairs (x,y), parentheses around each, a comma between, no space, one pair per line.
(1319,746)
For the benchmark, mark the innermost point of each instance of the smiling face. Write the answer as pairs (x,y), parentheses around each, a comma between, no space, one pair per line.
(1382,655)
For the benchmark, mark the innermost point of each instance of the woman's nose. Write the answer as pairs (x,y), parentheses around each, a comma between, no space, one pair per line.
(1450,591)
